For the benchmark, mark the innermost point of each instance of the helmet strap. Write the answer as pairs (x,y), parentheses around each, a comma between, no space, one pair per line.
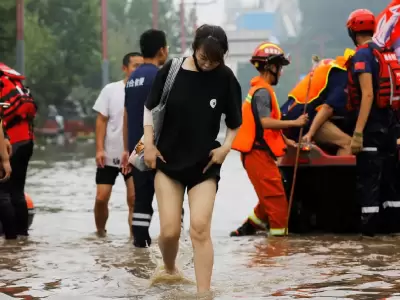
(352,35)
(274,73)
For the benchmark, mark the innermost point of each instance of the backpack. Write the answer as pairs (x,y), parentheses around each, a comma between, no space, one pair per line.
(388,94)
(20,103)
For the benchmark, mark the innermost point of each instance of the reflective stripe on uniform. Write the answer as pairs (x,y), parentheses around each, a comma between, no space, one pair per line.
(277,231)
(141,223)
(370,209)
(248,98)
(142,216)
(141,219)
(369,149)
(257,221)
(391,204)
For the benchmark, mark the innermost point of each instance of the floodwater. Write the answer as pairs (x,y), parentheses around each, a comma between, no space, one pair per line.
(64,260)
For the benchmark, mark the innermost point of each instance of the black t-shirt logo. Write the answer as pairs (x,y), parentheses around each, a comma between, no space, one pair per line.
(213,103)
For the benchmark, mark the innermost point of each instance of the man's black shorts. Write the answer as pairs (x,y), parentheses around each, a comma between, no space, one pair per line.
(108,174)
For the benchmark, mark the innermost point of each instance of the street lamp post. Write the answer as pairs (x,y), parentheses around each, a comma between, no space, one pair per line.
(155,13)
(182,18)
(183,33)
(105,64)
(20,37)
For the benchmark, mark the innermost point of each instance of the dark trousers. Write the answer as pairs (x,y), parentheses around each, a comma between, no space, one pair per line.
(7,214)
(21,155)
(376,181)
(143,209)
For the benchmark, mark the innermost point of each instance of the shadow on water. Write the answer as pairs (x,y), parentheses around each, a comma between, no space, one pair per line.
(63,259)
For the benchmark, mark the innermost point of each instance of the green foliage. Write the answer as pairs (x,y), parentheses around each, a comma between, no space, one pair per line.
(7,31)
(127,22)
(63,43)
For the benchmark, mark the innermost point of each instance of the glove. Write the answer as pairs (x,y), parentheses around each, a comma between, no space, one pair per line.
(356,143)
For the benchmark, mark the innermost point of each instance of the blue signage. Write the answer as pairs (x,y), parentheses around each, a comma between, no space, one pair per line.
(256,21)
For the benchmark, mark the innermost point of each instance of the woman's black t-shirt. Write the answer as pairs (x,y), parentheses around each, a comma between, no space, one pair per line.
(193,113)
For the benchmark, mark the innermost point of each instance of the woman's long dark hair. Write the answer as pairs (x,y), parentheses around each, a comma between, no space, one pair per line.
(213,41)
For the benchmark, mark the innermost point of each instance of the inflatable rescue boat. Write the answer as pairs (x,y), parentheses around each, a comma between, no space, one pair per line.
(324,197)
(31,212)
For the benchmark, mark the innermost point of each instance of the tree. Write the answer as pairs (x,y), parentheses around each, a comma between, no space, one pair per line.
(127,20)
(7,31)
(76,29)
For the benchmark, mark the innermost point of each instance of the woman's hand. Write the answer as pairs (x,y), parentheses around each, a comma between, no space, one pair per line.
(218,156)
(150,156)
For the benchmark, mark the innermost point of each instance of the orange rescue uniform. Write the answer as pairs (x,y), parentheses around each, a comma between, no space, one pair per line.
(319,82)
(258,147)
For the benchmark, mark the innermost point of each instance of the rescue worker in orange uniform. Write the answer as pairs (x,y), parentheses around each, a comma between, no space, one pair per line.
(374,94)
(326,99)
(260,141)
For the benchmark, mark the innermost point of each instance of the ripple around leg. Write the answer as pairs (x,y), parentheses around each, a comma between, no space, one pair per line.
(161,276)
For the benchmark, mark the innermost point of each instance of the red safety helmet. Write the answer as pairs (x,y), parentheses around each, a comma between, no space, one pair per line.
(361,20)
(269,53)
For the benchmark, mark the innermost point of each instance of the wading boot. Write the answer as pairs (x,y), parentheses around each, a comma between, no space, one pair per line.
(246,229)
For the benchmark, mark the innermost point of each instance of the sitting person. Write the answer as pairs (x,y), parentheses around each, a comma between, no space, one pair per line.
(326,97)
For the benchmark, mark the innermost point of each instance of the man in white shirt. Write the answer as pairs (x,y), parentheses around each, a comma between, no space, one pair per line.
(109,144)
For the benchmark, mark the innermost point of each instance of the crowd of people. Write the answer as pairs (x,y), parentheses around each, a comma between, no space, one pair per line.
(186,156)
(361,88)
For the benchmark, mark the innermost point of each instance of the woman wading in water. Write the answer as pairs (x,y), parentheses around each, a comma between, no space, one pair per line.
(188,156)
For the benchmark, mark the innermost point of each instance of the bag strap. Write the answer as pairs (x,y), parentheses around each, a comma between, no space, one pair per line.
(173,71)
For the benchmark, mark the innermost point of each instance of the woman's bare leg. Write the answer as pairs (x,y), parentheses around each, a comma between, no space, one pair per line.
(201,203)
(169,195)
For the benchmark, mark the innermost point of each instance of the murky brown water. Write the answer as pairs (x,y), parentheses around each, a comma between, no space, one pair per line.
(64,260)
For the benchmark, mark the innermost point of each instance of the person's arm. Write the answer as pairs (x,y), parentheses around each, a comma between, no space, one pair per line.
(363,69)
(125,130)
(101,126)
(102,108)
(3,149)
(263,99)
(233,111)
(270,123)
(323,115)
(367,99)
(335,102)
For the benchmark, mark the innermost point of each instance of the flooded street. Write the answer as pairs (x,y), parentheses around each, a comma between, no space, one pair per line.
(64,260)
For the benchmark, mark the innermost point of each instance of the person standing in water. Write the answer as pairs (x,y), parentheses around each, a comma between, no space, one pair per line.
(153,45)
(188,155)
(109,144)
(260,141)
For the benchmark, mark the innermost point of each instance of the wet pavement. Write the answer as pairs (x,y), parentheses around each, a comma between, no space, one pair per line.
(63,259)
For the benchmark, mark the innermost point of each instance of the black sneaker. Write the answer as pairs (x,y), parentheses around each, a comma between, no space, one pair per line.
(246,229)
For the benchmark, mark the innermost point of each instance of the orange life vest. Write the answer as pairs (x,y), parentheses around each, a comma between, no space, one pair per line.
(319,82)
(250,134)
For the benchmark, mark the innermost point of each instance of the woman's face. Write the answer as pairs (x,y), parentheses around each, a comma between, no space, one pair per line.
(204,63)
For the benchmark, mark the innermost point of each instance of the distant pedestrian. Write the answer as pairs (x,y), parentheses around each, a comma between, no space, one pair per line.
(109,143)
(153,45)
